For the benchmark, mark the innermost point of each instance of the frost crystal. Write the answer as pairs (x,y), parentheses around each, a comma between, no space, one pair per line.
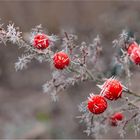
(12,33)
(124,35)
(22,62)
(122,132)
(85,65)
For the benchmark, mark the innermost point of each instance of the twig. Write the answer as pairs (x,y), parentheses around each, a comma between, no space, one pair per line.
(127,121)
(131,93)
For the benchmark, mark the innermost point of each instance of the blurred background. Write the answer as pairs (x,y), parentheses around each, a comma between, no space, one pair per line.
(25,112)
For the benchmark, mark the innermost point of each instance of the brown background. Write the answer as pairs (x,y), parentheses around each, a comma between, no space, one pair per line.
(25,112)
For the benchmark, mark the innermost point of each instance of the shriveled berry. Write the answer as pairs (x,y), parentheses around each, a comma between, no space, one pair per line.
(97,104)
(61,60)
(41,41)
(112,89)
(118,116)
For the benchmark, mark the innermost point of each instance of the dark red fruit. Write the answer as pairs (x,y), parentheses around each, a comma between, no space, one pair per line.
(112,89)
(132,47)
(135,56)
(97,104)
(61,60)
(41,41)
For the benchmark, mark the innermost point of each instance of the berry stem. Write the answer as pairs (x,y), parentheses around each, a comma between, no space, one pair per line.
(73,70)
(132,103)
(66,35)
(89,74)
(127,121)
(132,93)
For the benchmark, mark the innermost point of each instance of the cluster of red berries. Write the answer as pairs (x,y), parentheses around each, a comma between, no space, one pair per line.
(111,90)
(134,53)
(60,59)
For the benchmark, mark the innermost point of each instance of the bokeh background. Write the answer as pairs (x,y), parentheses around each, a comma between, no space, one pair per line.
(25,112)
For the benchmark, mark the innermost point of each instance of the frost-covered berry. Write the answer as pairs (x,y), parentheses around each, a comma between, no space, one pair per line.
(118,116)
(132,47)
(112,89)
(135,56)
(96,104)
(134,53)
(61,60)
(41,41)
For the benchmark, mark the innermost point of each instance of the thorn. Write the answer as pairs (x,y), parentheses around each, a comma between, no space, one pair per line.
(100,86)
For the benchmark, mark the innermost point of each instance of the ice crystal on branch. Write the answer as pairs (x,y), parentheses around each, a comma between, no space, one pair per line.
(76,62)
(22,62)
(13,34)
(125,46)
(124,35)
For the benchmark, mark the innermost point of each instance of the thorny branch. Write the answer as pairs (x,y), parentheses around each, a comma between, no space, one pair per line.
(130,119)
(82,57)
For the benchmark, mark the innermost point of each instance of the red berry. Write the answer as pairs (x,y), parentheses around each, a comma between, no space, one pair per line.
(115,118)
(118,116)
(112,89)
(131,47)
(97,104)
(41,41)
(135,56)
(61,60)
(113,122)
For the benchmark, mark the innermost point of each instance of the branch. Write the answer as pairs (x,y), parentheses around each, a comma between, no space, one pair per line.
(132,93)
(127,121)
